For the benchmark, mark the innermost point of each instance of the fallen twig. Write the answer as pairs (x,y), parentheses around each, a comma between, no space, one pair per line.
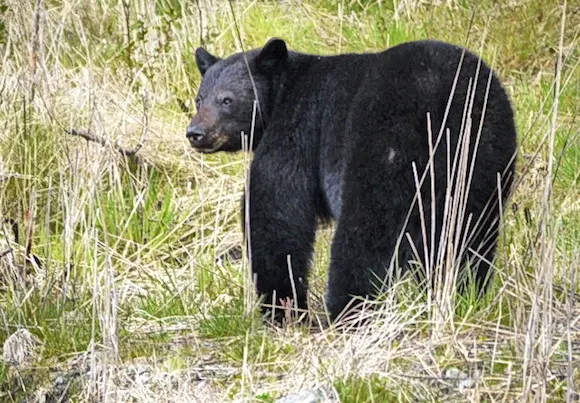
(102,141)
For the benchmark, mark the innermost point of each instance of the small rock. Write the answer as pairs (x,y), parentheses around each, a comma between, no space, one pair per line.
(454,373)
(60,388)
(466,384)
(459,378)
(21,347)
(315,395)
(60,382)
(138,373)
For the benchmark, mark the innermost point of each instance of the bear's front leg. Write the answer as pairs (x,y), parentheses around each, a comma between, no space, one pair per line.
(282,226)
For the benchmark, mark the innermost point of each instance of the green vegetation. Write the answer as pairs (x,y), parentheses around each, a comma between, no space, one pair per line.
(110,260)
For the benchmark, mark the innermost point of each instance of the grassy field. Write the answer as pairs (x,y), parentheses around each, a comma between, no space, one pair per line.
(113,281)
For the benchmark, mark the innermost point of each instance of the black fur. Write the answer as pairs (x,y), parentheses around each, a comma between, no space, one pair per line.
(336,138)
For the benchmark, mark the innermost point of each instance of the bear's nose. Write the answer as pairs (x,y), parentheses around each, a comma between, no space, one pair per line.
(195,133)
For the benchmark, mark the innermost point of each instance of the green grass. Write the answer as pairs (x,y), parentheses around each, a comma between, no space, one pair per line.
(128,247)
(371,389)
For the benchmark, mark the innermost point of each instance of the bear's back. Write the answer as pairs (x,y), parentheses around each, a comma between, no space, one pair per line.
(394,100)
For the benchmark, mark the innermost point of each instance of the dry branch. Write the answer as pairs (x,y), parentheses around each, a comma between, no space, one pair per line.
(102,141)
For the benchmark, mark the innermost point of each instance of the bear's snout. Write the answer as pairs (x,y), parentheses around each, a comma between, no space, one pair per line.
(205,140)
(200,138)
(195,134)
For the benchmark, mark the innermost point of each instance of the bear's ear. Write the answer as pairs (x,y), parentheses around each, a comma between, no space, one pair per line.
(204,60)
(272,56)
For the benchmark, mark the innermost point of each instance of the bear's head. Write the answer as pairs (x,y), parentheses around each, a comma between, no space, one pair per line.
(228,92)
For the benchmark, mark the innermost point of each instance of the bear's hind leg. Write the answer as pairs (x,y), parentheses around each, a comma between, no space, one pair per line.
(364,244)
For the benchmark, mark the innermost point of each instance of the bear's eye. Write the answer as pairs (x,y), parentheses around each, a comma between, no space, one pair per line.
(227,101)
(197,103)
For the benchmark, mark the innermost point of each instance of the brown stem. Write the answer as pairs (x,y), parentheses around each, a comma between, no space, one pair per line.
(85,134)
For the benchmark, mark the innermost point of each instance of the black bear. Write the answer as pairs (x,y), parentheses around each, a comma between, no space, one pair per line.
(409,151)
